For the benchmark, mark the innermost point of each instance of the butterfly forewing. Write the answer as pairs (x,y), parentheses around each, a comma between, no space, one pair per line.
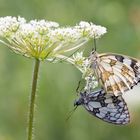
(117,73)
(107,107)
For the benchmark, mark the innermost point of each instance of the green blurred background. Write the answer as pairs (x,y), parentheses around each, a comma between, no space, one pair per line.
(57,82)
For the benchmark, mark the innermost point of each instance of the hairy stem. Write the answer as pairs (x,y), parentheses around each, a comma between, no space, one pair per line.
(32,100)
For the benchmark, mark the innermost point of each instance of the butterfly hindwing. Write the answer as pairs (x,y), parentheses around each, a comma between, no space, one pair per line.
(117,73)
(107,107)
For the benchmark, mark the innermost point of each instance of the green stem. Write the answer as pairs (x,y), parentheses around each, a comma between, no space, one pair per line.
(32,100)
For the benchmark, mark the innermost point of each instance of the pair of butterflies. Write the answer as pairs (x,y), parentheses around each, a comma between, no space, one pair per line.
(117,74)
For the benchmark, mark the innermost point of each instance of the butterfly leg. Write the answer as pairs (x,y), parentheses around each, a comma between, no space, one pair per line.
(77,89)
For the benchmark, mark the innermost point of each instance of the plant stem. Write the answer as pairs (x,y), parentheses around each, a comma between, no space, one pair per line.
(32,100)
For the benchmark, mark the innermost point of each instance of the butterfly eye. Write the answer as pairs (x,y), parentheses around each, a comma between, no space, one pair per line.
(76,103)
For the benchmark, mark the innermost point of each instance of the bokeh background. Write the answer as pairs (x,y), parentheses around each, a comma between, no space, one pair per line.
(57,82)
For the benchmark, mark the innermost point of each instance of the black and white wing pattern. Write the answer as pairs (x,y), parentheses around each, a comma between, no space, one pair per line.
(107,107)
(117,73)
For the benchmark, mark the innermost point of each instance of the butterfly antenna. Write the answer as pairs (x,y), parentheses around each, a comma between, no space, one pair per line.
(70,113)
(94,44)
(77,89)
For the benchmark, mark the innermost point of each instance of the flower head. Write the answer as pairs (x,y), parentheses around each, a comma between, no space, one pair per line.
(43,39)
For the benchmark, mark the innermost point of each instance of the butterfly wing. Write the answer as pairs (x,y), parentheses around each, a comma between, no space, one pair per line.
(117,73)
(107,107)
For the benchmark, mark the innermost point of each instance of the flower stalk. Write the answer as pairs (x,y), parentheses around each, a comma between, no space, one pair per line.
(32,100)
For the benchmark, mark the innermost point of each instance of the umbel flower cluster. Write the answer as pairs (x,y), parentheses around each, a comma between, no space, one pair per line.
(43,39)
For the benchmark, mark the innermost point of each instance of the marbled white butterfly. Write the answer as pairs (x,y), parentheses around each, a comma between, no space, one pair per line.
(116,73)
(107,107)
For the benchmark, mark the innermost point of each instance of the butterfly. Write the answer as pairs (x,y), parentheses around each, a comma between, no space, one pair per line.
(107,107)
(116,73)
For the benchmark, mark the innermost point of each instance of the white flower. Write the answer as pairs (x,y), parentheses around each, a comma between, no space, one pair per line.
(91,30)
(68,34)
(78,58)
(9,25)
(81,62)
(91,83)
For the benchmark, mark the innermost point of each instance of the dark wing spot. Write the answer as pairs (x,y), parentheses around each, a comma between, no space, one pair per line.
(135,67)
(115,100)
(133,64)
(103,104)
(96,110)
(119,58)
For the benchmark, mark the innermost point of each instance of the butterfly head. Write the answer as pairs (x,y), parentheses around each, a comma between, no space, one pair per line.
(78,102)
(94,58)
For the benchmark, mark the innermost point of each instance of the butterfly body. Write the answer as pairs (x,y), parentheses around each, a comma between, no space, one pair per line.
(107,107)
